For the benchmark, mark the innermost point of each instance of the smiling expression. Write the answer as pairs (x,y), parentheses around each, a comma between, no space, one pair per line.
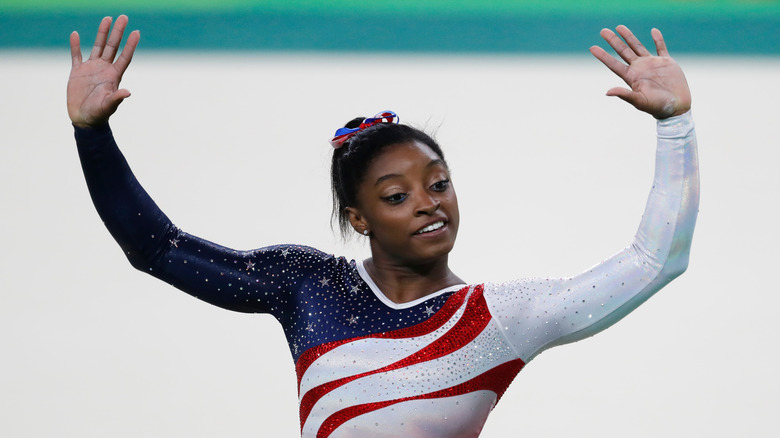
(407,202)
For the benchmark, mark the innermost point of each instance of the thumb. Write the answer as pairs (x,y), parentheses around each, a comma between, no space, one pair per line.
(625,94)
(116,98)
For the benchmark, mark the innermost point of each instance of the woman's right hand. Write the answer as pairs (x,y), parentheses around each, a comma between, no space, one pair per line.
(93,86)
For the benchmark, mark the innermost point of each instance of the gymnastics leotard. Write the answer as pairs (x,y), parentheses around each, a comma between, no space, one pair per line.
(433,367)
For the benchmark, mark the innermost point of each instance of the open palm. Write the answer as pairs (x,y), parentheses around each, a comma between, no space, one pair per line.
(93,86)
(657,84)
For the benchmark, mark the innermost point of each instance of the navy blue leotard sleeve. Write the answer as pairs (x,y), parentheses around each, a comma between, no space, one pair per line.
(259,280)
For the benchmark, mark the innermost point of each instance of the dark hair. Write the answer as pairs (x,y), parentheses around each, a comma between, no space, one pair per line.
(351,161)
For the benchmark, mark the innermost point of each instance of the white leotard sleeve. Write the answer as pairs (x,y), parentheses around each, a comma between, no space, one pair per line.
(535,314)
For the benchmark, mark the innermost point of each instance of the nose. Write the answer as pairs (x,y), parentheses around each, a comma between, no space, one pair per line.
(428,205)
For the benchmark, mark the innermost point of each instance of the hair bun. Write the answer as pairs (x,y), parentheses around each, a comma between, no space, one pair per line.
(354,123)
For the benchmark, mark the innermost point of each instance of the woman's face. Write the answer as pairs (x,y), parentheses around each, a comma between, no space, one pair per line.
(408,204)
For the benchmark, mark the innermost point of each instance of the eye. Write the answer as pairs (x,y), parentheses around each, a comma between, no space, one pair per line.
(395,198)
(441,186)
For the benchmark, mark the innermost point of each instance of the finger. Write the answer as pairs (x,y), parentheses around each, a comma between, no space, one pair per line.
(115,38)
(119,95)
(632,41)
(75,48)
(116,98)
(100,39)
(613,64)
(618,45)
(660,44)
(627,95)
(127,52)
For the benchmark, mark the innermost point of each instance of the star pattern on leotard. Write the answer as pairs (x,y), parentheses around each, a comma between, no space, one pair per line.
(310,289)
(354,289)
(250,265)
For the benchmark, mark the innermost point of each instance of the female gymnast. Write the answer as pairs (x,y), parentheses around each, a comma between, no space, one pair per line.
(397,343)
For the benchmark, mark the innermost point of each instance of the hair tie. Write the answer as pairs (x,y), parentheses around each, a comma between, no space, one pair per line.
(344,134)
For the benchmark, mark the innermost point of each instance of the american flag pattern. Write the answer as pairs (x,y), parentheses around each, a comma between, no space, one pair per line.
(457,354)
(434,367)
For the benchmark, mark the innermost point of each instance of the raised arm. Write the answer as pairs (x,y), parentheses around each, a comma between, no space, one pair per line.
(539,313)
(247,281)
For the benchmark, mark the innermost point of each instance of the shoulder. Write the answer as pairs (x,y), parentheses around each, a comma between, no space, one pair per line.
(293,252)
(302,253)
(532,285)
(291,258)
(524,292)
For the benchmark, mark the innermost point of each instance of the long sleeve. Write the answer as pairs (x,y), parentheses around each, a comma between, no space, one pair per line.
(259,280)
(134,220)
(536,314)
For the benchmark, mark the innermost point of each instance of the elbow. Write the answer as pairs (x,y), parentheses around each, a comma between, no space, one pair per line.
(146,255)
(676,264)
(670,260)
(138,261)
(145,259)
(676,271)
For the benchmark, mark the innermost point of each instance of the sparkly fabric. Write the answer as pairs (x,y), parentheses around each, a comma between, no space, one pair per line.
(434,367)
(536,314)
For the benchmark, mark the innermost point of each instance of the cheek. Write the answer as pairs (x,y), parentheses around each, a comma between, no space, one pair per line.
(385,219)
(452,205)
(395,221)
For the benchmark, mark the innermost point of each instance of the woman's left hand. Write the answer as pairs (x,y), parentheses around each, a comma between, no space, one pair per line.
(658,85)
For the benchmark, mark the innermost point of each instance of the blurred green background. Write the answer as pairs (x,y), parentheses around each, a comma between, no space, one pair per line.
(500,26)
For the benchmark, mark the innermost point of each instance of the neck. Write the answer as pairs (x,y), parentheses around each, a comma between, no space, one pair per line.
(402,283)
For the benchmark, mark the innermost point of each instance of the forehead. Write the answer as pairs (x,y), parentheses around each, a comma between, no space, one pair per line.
(402,157)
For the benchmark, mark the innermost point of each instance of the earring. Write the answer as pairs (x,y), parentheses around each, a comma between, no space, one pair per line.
(365,232)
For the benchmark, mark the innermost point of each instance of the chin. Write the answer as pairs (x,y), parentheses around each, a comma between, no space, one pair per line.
(435,252)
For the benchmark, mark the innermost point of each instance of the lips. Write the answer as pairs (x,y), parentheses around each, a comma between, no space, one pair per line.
(431,227)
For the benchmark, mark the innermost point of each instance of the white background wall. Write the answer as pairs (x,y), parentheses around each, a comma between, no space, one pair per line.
(552,177)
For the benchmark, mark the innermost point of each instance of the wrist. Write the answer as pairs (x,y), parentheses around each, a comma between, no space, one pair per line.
(88,127)
(675,126)
(83,122)
(676,106)
(676,113)
(87,134)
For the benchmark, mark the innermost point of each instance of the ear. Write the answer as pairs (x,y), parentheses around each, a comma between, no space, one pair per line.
(357,220)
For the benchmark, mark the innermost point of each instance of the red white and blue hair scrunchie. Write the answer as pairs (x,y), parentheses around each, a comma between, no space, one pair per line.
(344,134)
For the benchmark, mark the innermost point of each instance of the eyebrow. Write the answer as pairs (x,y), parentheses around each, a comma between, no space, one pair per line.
(432,163)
